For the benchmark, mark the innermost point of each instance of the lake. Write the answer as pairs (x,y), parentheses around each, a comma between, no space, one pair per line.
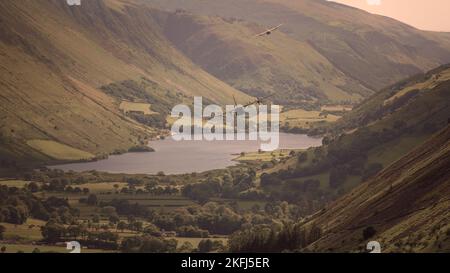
(172,157)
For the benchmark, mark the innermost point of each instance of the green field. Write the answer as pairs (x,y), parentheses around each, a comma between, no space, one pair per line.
(58,150)
(30,231)
(14,248)
(14,183)
(305,119)
(263,156)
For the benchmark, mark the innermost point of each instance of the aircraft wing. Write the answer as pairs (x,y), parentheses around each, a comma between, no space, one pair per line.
(275,28)
(261,34)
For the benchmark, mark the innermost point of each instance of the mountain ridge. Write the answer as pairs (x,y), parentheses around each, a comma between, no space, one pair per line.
(372,50)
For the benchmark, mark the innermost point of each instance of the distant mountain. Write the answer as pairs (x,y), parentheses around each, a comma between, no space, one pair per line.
(325,50)
(292,70)
(57,62)
(405,207)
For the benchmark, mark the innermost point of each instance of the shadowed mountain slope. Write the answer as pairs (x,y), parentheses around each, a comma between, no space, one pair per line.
(406,206)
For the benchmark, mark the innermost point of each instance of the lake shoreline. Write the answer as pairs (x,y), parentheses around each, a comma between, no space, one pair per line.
(182,157)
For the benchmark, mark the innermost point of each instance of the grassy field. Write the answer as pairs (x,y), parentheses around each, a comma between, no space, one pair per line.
(426,85)
(336,108)
(104,187)
(264,156)
(59,151)
(30,231)
(14,183)
(394,150)
(145,108)
(151,201)
(29,248)
(304,119)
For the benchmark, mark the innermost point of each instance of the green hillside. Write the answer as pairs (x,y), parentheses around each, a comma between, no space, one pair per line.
(380,131)
(405,206)
(55,59)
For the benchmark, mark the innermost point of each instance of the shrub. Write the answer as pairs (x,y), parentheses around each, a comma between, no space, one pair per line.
(369,232)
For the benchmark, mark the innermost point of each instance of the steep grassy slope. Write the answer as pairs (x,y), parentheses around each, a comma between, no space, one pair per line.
(54,59)
(407,205)
(417,99)
(292,70)
(380,131)
(374,51)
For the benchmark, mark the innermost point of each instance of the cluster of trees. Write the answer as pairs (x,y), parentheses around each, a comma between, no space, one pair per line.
(211,218)
(192,232)
(124,207)
(148,244)
(54,232)
(229,185)
(272,239)
(223,219)
(16,205)
(2,231)
(154,120)
(151,244)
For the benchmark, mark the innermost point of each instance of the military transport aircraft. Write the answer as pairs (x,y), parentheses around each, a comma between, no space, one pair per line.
(269,31)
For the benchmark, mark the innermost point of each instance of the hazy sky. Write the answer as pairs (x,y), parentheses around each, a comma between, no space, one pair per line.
(422,14)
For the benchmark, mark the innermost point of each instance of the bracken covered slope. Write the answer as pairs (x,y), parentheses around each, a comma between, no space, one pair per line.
(407,205)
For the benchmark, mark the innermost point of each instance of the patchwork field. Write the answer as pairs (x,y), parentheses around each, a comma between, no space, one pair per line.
(305,119)
(14,183)
(429,84)
(30,231)
(336,108)
(59,151)
(264,156)
(14,248)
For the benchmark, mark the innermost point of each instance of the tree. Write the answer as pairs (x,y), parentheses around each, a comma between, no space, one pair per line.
(114,219)
(186,247)
(96,218)
(33,187)
(326,140)
(137,226)
(2,231)
(52,232)
(205,246)
(153,245)
(74,231)
(92,200)
(369,232)
(152,230)
(122,226)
